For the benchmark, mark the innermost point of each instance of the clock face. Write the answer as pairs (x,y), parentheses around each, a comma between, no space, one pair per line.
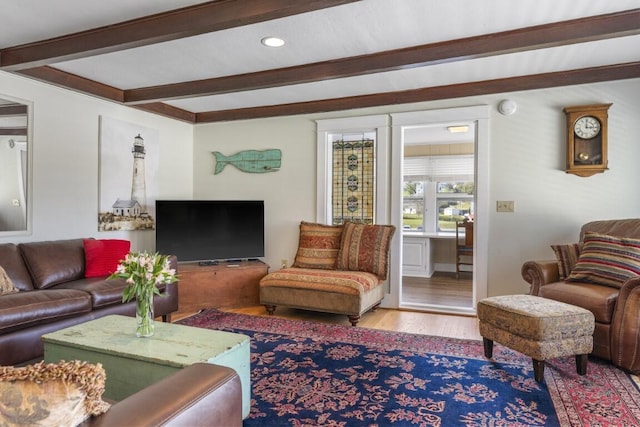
(587,127)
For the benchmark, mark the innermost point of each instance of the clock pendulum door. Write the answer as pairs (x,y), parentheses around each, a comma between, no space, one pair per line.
(587,139)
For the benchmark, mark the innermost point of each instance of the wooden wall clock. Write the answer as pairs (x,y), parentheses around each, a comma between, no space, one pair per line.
(587,139)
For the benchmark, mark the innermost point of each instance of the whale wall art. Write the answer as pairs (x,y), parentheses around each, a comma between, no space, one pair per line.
(251,161)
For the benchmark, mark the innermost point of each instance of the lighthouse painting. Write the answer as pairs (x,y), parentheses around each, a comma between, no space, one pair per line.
(128,168)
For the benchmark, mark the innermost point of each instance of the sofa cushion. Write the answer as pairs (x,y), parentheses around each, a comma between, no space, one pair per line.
(600,300)
(53,262)
(102,256)
(6,284)
(318,246)
(25,309)
(607,260)
(103,291)
(12,262)
(567,257)
(54,394)
(365,248)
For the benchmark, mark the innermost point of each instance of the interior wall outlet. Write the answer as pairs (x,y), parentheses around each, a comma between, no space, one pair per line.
(284,263)
(504,206)
(15,202)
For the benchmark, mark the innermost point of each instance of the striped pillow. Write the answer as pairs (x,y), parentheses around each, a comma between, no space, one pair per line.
(567,257)
(318,246)
(607,260)
(366,248)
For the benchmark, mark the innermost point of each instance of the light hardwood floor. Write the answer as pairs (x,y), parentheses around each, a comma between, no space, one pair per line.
(444,325)
(443,288)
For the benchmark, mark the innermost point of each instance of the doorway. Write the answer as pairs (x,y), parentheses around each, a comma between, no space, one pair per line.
(438,193)
(436,184)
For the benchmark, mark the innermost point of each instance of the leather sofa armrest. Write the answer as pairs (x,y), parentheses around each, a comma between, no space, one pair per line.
(625,327)
(540,273)
(201,394)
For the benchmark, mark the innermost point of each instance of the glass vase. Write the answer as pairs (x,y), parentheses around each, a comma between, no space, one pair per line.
(144,315)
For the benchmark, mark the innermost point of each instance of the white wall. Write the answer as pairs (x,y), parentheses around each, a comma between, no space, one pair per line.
(550,204)
(65,160)
(289,194)
(527,160)
(527,157)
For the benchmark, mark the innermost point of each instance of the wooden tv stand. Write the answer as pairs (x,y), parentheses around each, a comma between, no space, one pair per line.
(224,285)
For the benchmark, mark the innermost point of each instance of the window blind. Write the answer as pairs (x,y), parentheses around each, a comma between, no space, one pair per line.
(439,168)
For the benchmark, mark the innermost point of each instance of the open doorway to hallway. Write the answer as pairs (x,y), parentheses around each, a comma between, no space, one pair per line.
(438,193)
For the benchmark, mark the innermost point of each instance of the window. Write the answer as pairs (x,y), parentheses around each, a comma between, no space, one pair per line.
(455,202)
(413,205)
(353,167)
(353,173)
(438,191)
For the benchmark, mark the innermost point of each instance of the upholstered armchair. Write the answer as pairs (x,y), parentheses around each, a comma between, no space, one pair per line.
(600,272)
(338,269)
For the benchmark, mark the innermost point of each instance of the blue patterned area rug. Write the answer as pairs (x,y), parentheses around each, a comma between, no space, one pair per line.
(307,374)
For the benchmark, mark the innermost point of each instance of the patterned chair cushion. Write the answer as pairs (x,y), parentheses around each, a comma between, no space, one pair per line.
(567,257)
(52,394)
(344,282)
(366,248)
(318,246)
(607,260)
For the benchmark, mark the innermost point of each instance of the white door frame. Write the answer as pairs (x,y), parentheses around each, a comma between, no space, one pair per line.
(480,116)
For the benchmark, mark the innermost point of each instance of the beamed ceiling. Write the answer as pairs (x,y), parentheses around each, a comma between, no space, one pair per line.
(203,62)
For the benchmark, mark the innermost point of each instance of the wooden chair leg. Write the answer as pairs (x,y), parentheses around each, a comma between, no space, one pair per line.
(581,363)
(354,319)
(538,370)
(488,347)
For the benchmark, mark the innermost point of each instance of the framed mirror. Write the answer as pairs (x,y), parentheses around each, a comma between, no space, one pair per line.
(15,166)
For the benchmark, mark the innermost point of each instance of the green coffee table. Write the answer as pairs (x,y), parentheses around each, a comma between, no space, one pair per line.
(133,363)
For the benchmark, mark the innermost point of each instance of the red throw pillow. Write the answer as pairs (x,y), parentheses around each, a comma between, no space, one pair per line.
(103,256)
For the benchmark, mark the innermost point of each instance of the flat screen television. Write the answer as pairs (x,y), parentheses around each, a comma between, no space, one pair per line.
(210,230)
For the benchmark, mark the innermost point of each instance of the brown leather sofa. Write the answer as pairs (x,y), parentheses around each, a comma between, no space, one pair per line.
(616,310)
(54,294)
(202,394)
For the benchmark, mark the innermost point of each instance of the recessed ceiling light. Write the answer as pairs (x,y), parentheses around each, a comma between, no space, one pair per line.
(458,129)
(272,41)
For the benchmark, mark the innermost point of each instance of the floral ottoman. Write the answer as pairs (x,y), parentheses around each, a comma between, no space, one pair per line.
(537,327)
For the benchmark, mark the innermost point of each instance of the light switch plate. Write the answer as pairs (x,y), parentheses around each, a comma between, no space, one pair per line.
(504,206)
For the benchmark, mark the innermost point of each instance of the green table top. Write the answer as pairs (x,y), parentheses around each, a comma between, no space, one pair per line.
(173,345)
